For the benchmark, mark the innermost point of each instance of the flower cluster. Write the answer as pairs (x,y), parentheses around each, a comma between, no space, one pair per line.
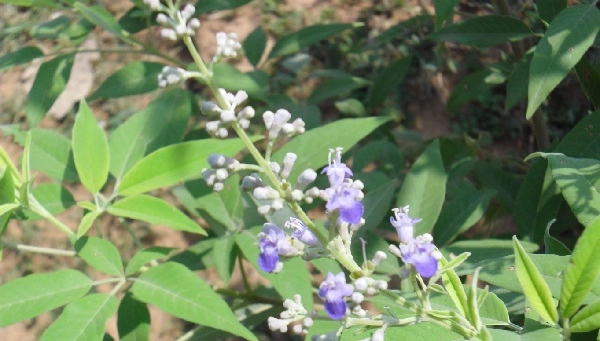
(221,168)
(171,76)
(419,251)
(227,45)
(227,115)
(177,23)
(294,311)
(277,124)
(343,195)
(274,243)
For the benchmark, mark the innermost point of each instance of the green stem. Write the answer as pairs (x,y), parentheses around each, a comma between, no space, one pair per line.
(135,238)
(38,249)
(36,207)
(243,272)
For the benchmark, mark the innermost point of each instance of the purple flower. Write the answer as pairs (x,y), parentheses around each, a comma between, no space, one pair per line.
(346,200)
(301,232)
(272,243)
(403,224)
(420,252)
(337,171)
(333,290)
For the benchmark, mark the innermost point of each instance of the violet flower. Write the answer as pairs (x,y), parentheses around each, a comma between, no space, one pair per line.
(419,252)
(333,289)
(301,232)
(337,171)
(345,199)
(272,244)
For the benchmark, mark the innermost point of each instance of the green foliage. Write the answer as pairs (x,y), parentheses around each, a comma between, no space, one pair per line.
(133,79)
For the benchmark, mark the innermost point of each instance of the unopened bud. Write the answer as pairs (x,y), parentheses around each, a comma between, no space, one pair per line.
(288,163)
(209,108)
(221,133)
(251,182)
(227,116)
(188,11)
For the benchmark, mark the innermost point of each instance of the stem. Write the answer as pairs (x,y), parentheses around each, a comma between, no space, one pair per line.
(110,280)
(135,238)
(118,286)
(36,207)
(244,278)
(38,249)
(565,331)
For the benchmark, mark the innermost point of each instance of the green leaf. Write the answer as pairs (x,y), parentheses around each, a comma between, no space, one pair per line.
(205,6)
(476,86)
(50,81)
(20,56)
(553,245)
(29,296)
(90,149)
(458,215)
(7,197)
(133,320)
(89,314)
(154,211)
(424,188)
(230,78)
(54,197)
(579,183)
(86,222)
(387,81)
(51,153)
(293,279)
(548,9)
(377,204)
(535,288)
(254,45)
(99,16)
(145,256)
(570,34)
(51,29)
(425,331)
(587,319)
(305,37)
(30,3)
(544,332)
(584,139)
(100,254)
(455,289)
(484,31)
(327,136)
(350,107)
(473,303)
(589,78)
(171,164)
(161,123)
(582,270)
(444,9)
(135,78)
(518,82)
(335,87)
(225,262)
(136,19)
(176,290)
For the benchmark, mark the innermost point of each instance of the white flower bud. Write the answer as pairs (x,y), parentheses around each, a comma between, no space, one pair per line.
(221,133)
(395,251)
(307,176)
(380,285)
(212,126)
(244,123)
(275,167)
(227,116)
(188,11)
(268,117)
(193,24)
(251,182)
(261,193)
(379,257)
(361,284)
(162,19)
(378,335)
(298,126)
(247,112)
(222,174)
(436,255)
(371,291)
(264,210)
(358,185)
(288,163)
(297,329)
(168,33)
(276,324)
(209,108)
(218,187)
(308,322)
(357,297)
(285,315)
(297,195)
(287,129)
(278,268)
(240,97)
(153,4)
(277,204)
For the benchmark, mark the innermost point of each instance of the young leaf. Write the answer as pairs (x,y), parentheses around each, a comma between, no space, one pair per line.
(82,320)
(7,200)
(587,319)
(535,288)
(176,290)
(455,289)
(553,245)
(387,81)
(327,136)
(424,188)
(135,78)
(582,270)
(86,222)
(154,211)
(50,81)
(305,37)
(293,279)
(144,256)
(254,45)
(161,123)
(29,296)
(484,31)
(51,153)
(171,164)
(20,56)
(100,254)
(473,303)
(90,149)
(579,183)
(133,320)
(570,34)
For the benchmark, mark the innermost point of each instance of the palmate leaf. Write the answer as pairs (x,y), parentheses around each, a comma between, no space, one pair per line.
(582,271)
(176,290)
(29,296)
(535,288)
(569,36)
(83,320)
